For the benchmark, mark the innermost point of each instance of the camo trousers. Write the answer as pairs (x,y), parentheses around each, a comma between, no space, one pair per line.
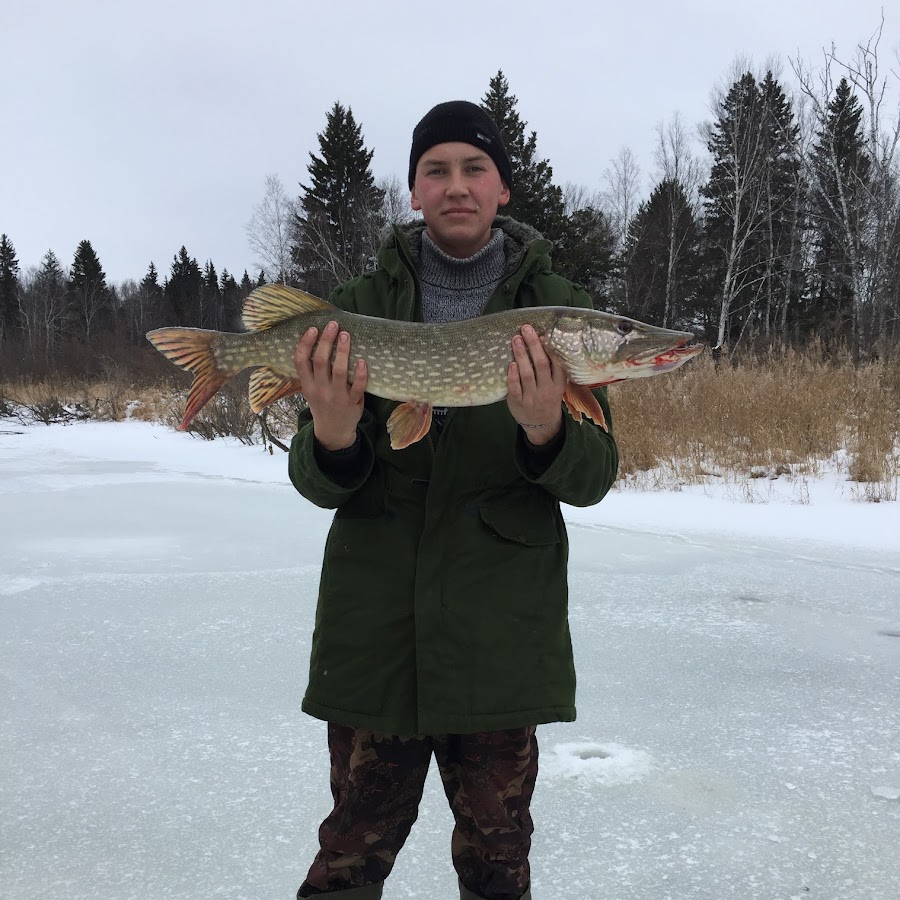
(377,782)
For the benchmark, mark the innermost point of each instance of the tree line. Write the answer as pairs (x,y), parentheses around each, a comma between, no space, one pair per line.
(788,229)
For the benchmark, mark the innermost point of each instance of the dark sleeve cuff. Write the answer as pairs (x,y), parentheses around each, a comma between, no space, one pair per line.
(539,456)
(339,465)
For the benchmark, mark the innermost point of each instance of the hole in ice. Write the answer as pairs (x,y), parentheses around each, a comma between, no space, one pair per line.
(601,764)
(889,632)
(592,753)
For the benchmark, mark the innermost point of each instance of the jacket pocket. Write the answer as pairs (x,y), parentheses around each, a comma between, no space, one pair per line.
(530,519)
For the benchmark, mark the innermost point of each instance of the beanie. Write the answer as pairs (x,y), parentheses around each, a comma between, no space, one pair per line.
(459,120)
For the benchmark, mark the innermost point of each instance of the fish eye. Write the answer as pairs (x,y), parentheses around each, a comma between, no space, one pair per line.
(624,328)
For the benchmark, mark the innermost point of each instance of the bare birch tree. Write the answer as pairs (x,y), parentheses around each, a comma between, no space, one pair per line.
(866,210)
(270,231)
(735,197)
(680,173)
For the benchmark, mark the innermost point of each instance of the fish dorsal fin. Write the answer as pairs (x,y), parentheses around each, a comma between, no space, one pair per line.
(271,304)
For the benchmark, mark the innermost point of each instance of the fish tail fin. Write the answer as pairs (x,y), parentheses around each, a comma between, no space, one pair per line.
(192,349)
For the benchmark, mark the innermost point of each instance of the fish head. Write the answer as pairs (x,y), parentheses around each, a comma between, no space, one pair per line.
(600,348)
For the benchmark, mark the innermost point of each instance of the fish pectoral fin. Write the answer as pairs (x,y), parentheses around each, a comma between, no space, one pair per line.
(579,400)
(409,423)
(267,386)
(273,303)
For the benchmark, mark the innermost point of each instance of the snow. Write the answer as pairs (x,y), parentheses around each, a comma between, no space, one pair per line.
(739,676)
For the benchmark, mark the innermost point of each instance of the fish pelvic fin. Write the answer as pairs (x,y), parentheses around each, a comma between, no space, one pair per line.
(409,423)
(267,386)
(271,304)
(192,349)
(580,402)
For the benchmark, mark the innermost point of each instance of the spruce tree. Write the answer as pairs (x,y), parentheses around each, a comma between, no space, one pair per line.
(782,283)
(49,304)
(212,314)
(585,252)
(664,243)
(10,323)
(231,301)
(340,214)
(534,200)
(246,286)
(151,297)
(183,290)
(735,243)
(89,297)
(841,173)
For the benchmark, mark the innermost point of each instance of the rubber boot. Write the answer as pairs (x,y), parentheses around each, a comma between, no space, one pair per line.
(466,894)
(366,892)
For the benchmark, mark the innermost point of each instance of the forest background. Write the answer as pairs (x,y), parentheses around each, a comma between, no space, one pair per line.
(779,245)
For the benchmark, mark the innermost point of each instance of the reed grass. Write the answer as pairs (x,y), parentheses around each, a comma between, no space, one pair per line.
(785,414)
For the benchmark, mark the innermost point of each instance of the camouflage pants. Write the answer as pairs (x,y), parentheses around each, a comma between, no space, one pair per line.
(377,782)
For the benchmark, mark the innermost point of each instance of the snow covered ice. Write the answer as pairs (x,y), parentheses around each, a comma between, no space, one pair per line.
(739,687)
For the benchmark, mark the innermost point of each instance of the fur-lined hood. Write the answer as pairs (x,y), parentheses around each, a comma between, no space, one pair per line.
(518,237)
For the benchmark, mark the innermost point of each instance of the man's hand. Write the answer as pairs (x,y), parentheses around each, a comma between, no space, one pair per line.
(336,405)
(536,383)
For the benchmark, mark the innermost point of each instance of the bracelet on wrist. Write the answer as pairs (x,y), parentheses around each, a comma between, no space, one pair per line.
(543,424)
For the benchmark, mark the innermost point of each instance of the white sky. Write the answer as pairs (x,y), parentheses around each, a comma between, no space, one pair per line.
(145,126)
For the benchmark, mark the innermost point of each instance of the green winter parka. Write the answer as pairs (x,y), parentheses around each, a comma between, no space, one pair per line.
(443,594)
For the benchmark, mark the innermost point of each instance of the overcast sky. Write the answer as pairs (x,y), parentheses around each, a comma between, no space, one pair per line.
(145,126)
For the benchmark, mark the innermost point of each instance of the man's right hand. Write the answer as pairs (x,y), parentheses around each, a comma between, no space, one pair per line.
(335,404)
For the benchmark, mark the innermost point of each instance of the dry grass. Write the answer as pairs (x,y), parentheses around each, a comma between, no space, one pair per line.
(784,415)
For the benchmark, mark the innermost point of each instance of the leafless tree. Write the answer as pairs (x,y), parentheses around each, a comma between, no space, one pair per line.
(620,203)
(740,207)
(270,231)
(396,209)
(869,233)
(621,194)
(681,174)
(44,306)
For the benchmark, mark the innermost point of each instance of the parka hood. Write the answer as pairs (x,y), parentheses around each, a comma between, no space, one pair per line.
(519,238)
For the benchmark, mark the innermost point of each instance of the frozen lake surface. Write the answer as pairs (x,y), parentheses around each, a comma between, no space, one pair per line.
(739,688)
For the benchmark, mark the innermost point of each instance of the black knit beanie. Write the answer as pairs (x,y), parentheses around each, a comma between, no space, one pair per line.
(459,120)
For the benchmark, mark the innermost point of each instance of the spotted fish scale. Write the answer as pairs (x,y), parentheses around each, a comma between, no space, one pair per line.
(461,363)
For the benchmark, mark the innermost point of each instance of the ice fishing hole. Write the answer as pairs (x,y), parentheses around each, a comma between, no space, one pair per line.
(593,753)
(887,633)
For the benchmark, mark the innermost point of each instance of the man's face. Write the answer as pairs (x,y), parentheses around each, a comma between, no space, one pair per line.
(458,191)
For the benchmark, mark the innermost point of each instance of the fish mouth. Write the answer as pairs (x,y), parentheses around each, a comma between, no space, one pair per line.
(668,357)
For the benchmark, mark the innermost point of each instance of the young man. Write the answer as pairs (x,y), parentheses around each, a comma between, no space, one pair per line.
(442,621)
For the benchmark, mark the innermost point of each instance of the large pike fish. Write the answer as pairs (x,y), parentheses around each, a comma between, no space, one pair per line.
(460,363)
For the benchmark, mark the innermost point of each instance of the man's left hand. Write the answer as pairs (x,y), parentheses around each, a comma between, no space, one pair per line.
(536,382)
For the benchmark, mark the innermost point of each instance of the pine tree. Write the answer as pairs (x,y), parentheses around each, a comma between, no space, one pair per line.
(49,307)
(10,323)
(534,199)
(664,244)
(841,170)
(585,252)
(150,301)
(783,202)
(735,209)
(89,297)
(261,279)
(246,286)
(183,290)
(340,214)
(231,301)
(211,312)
